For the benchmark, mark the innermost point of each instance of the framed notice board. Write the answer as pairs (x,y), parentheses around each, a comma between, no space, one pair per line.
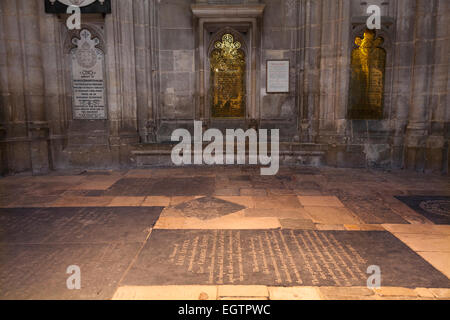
(278,76)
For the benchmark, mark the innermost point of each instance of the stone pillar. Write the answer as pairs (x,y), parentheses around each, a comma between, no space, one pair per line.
(419,116)
(38,130)
(57,114)
(125,46)
(402,74)
(333,85)
(122,81)
(25,122)
(4,95)
(311,13)
(13,119)
(153,13)
(146,52)
(342,60)
(331,51)
(436,144)
(143,71)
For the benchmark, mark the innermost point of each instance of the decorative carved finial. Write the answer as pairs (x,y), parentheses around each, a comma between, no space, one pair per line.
(228,46)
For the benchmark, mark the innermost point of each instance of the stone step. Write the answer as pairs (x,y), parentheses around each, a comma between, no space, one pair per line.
(150,155)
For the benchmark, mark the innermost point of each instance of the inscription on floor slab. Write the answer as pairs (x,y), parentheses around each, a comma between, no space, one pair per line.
(279,257)
(371,209)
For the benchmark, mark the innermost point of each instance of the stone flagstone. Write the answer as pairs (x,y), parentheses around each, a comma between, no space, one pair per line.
(207,208)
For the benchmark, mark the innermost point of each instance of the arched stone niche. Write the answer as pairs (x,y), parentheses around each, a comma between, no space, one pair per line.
(228,86)
(381,49)
(211,23)
(89,130)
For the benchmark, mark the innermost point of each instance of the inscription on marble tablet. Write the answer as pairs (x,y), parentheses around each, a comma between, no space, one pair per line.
(278,76)
(88,78)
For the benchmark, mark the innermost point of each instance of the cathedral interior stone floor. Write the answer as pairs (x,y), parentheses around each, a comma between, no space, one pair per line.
(225,233)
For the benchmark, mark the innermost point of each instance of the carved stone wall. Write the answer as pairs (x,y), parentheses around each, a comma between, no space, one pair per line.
(155,66)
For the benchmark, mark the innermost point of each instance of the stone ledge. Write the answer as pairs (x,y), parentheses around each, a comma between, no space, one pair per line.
(225,11)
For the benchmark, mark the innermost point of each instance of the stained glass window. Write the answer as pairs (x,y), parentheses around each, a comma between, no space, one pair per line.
(367,78)
(228,67)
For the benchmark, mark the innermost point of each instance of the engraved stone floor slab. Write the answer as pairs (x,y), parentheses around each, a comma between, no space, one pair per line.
(76,225)
(279,258)
(189,186)
(30,271)
(207,208)
(37,245)
(371,209)
(434,208)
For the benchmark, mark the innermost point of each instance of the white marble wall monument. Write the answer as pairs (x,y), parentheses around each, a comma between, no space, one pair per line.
(88,81)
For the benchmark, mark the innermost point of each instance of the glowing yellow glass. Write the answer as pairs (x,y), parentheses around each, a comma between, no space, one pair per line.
(367,78)
(228,78)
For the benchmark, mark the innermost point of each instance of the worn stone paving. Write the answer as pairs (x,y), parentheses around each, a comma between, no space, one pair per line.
(279,257)
(121,228)
(207,208)
(174,186)
(434,208)
(38,244)
(37,271)
(76,225)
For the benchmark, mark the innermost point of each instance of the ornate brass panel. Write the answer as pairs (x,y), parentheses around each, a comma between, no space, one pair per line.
(228,68)
(367,78)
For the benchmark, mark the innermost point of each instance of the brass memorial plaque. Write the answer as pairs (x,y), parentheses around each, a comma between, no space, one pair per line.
(367,78)
(228,79)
